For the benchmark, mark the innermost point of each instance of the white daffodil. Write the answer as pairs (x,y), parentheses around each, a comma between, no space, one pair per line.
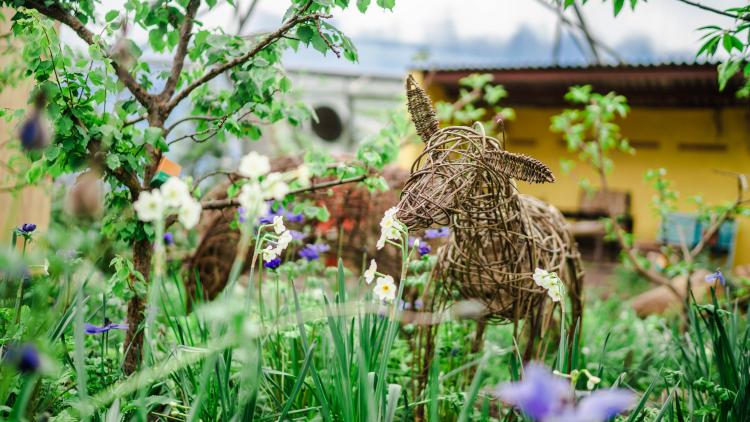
(370,273)
(278,224)
(385,288)
(284,241)
(190,213)
(389,227)
(273,185)
(555,293)
(550,282)
(270,253)
(304,175)
(254,165)
(149,206)
(175,192)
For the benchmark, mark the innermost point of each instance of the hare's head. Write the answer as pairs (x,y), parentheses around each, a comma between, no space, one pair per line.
(460,168)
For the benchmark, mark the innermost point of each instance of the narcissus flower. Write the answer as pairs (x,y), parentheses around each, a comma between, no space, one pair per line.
(254,165)
(274,186)
(371,271)
(175,192)
(190,213)
(149,206)
(389,227)
(385,288)
(550,282)
(278,224)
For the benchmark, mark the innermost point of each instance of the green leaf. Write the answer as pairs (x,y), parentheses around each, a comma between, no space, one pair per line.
(305,34)
(387,4)
(156,39)
(618,6)
(362,5)
(113,161)
(111,15)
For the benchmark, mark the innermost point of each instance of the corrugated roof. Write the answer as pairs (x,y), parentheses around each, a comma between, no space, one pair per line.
(547,65)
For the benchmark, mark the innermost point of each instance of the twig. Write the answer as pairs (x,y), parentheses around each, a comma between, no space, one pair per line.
(326,40)
(227,203)
(134,120)
(587,33)
(263,43)
(179,56)
(245,18)
(229,174)
(210,132)
(55,12)
(713,10)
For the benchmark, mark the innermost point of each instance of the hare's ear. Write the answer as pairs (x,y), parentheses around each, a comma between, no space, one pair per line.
(421,110)
(523,167)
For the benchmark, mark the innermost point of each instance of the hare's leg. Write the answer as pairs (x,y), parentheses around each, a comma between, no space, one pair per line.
(574,286)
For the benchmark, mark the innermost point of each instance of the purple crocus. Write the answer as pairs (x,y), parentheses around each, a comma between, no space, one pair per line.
(424,248)
(272,264)
(312,252)
(95,329)
(168,238)
(436,233)
(711,278)
(548,398)
(27,228)
(603,405)
(24,357)
(297,235)
(281,211)
(539,395)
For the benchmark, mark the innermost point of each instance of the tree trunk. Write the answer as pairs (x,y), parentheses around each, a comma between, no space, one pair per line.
(142,251)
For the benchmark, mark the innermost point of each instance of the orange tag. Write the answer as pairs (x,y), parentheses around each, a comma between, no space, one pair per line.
(169,167)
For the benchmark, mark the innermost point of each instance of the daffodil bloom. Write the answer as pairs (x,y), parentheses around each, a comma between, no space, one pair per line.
(254,165)
(385,288)
(190,213)
(175,192)
(274,186)
(550,282)
(284,240)
(370,272)
(149,206)
(278,224)
(389,227)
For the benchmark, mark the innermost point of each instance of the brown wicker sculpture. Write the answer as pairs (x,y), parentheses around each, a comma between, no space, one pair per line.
(465,180)
(355,213)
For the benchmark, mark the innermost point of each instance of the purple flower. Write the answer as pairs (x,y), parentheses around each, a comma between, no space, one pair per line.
(711,278)
(95,329)
(539,395)
(272,264)
(424,249)
(25,358)
(168,238)
(297,235)
(241,214)
(27,228)
(418,304)
(435,233)
(294,218)
(312,252)
(603,405)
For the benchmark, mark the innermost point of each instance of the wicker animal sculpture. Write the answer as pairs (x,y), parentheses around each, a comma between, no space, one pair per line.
(465,179)
(353,209)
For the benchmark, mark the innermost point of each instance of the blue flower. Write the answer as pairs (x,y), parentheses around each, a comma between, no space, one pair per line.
(95,329)
(280,211)
(539,395)
(711,278)
(312,252)
(435,233)
(603,405)
(297,235)
(418,304)
(294,218)
(546,397)
(168,238)
(27,228)
(424,248)
(272,264)
(25,358)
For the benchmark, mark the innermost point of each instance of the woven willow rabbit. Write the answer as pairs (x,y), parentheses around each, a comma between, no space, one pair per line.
(465,179)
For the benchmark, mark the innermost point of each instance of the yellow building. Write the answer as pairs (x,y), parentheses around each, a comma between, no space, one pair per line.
(679,121)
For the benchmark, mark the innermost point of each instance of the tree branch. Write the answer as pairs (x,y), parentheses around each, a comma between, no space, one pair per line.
(55,12)
(269,39)
(179,56)
(712,10)
(228,203)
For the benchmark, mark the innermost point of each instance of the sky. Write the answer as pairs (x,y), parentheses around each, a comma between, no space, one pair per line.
(504,32)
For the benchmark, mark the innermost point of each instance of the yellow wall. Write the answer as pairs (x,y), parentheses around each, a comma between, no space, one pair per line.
(691,171)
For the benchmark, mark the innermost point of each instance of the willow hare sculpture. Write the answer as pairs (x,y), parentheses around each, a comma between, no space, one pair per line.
(466,180)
